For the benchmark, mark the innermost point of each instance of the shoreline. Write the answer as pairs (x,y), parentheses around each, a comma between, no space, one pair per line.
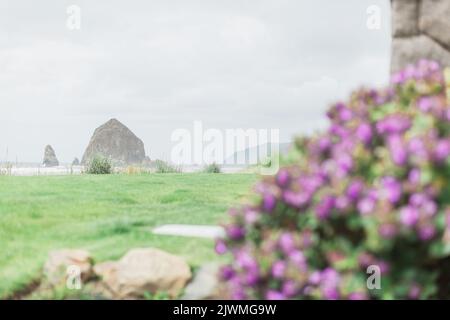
(62,170)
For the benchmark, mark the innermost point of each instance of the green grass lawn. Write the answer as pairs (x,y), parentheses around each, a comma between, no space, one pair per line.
(107,215)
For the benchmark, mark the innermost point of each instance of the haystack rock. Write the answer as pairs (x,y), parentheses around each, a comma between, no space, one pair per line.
(116,142)
(50,159)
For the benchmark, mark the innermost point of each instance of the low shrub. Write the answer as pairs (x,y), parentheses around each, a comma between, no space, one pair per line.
(212,168)
(369,195)
(99,165)
(164,167)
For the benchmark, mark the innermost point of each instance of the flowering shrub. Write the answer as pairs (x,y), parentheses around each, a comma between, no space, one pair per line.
(99,165)
(371,190)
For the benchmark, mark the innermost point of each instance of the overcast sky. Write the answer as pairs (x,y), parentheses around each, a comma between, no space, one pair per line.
(159,65)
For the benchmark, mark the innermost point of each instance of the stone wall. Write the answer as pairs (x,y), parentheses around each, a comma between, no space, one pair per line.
(420,29)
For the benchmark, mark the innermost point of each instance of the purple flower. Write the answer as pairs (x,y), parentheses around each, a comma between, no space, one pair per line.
(296,199)
(398,78)
(227,272)
(414,292)
(364,133)
(427,232)
(269,202)
(409,216)
(425,103)
(245,260)
(330,278)
(418,199)
(311,183)
(287,243)
(283,178)
(409,71)
(384,266)
(251,216)
(414,176)
(344,162)
(238,294)
(393,124)
(307,290)
(235,232)
(278,269)
(355,190)
(442,150)
(342,203)
(289,288)
(324,144)
(298,259)
(339,131)
(274,295)
(366,205)
(252,276)
(345,114)
(324,208)
(392,189)
(416,147)
(315,278)
(381,99)
(427,65)
(330,293)
(357,296)
(397,150)
(221,247)
(429,208)
(335,108)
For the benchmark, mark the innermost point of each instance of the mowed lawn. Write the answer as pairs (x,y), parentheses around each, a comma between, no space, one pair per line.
(107,215)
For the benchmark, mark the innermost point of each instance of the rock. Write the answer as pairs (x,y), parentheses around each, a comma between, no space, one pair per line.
(50,159)
(115,141)
(56,267)
(76,162)
(405,14)
(434,20)
(420,30)
(206,285)
(409,50)
(147,162)
(104,268)
(97,290)
(142,271)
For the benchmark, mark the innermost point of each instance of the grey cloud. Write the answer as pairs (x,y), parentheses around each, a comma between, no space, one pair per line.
(159,65)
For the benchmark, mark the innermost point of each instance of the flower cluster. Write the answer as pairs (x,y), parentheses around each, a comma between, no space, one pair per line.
(373,190)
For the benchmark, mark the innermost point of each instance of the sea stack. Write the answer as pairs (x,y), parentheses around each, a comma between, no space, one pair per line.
(50,159)
(115,141)
(75,162)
